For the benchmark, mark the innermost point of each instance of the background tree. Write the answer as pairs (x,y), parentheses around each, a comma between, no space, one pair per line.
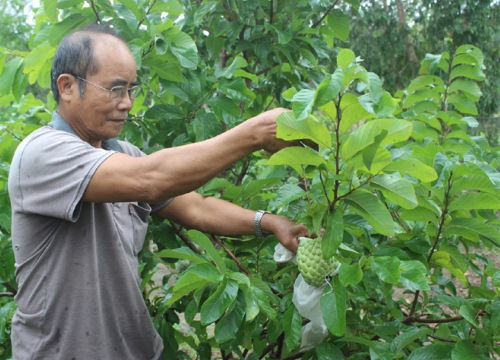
(406,197)
(389,35)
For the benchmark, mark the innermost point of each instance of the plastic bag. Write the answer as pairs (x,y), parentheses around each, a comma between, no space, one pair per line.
(306,299)
(282,254)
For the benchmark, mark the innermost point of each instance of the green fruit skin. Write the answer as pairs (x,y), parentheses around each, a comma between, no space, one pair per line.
(313,267)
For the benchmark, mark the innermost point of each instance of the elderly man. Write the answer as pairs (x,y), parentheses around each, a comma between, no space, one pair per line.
(81,199)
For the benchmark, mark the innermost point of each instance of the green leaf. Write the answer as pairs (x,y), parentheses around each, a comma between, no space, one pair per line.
(345,58)
(465,350)
(414,275)
(303,103)
(334,232)
(475,201)
(183,253)
(472,229)
(350,274)
(295,156)
(366,134)
(371,152)
(290,129)
(413,167)
(236,89)
(168,71)
(262,295)
(387,268)
(369,207)
(37,59)
(184,49)
(164,112)
(470,88)
(464,58)
(469,314)
(352,113)
(358,340)
(424,82)
(8,75)
(194,278)
(230,324)
(50,7)
(432,63)
(251,306)
(495,313)
(128,15)
(227,72)
(404,339)
(213,308)
(329,88)
(396,189)
(334,306)
(374,159)
(292,326)
(385,106)
(375,86)
(339,22)
(204,242)
(327,351)
(62,28)
(288,193)
(463,104)
(443,259)
(224,105)
(468,72)
(432,352)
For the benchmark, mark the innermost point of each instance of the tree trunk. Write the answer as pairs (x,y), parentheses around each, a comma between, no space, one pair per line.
(410,50)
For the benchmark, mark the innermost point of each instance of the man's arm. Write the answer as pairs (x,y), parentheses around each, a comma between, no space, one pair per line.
(178,170)
(220,217)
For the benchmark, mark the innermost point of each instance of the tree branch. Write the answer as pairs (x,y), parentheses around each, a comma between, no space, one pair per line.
(94,9)
(184,238)
(325,14)
(231,254)
(271,12)
(11,288)
(6,294)
(411,320)
(436,240)
(146,13)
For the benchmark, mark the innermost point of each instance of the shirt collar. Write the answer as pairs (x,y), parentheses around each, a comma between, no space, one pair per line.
(58,123)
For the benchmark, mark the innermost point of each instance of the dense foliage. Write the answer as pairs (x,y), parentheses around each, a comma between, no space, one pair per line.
(397,187)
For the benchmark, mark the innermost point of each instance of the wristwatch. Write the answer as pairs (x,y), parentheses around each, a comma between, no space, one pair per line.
(256,222)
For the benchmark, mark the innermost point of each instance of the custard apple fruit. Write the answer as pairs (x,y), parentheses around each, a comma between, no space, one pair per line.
(313,267)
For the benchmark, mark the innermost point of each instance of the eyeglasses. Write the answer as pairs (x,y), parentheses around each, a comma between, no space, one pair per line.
(117,92)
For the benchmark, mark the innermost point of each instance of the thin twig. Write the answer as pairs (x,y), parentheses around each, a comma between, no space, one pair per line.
(271,13)
(231,254)
(435,321)
(94,9)
(185,239)
(442,339)
(146,14)
(411,317)
(11,288)
(325,14)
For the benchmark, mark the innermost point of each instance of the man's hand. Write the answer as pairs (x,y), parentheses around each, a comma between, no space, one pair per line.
(265,130)
(270,142)
(285,230)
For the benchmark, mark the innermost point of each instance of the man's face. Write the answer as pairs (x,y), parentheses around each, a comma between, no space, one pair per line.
(96,116)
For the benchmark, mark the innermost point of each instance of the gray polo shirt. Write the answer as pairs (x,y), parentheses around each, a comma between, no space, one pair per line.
(76,262)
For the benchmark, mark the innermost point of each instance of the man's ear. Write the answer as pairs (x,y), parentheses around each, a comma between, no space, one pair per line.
(67,85)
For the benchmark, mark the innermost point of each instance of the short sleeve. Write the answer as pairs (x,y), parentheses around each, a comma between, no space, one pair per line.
(50,172)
